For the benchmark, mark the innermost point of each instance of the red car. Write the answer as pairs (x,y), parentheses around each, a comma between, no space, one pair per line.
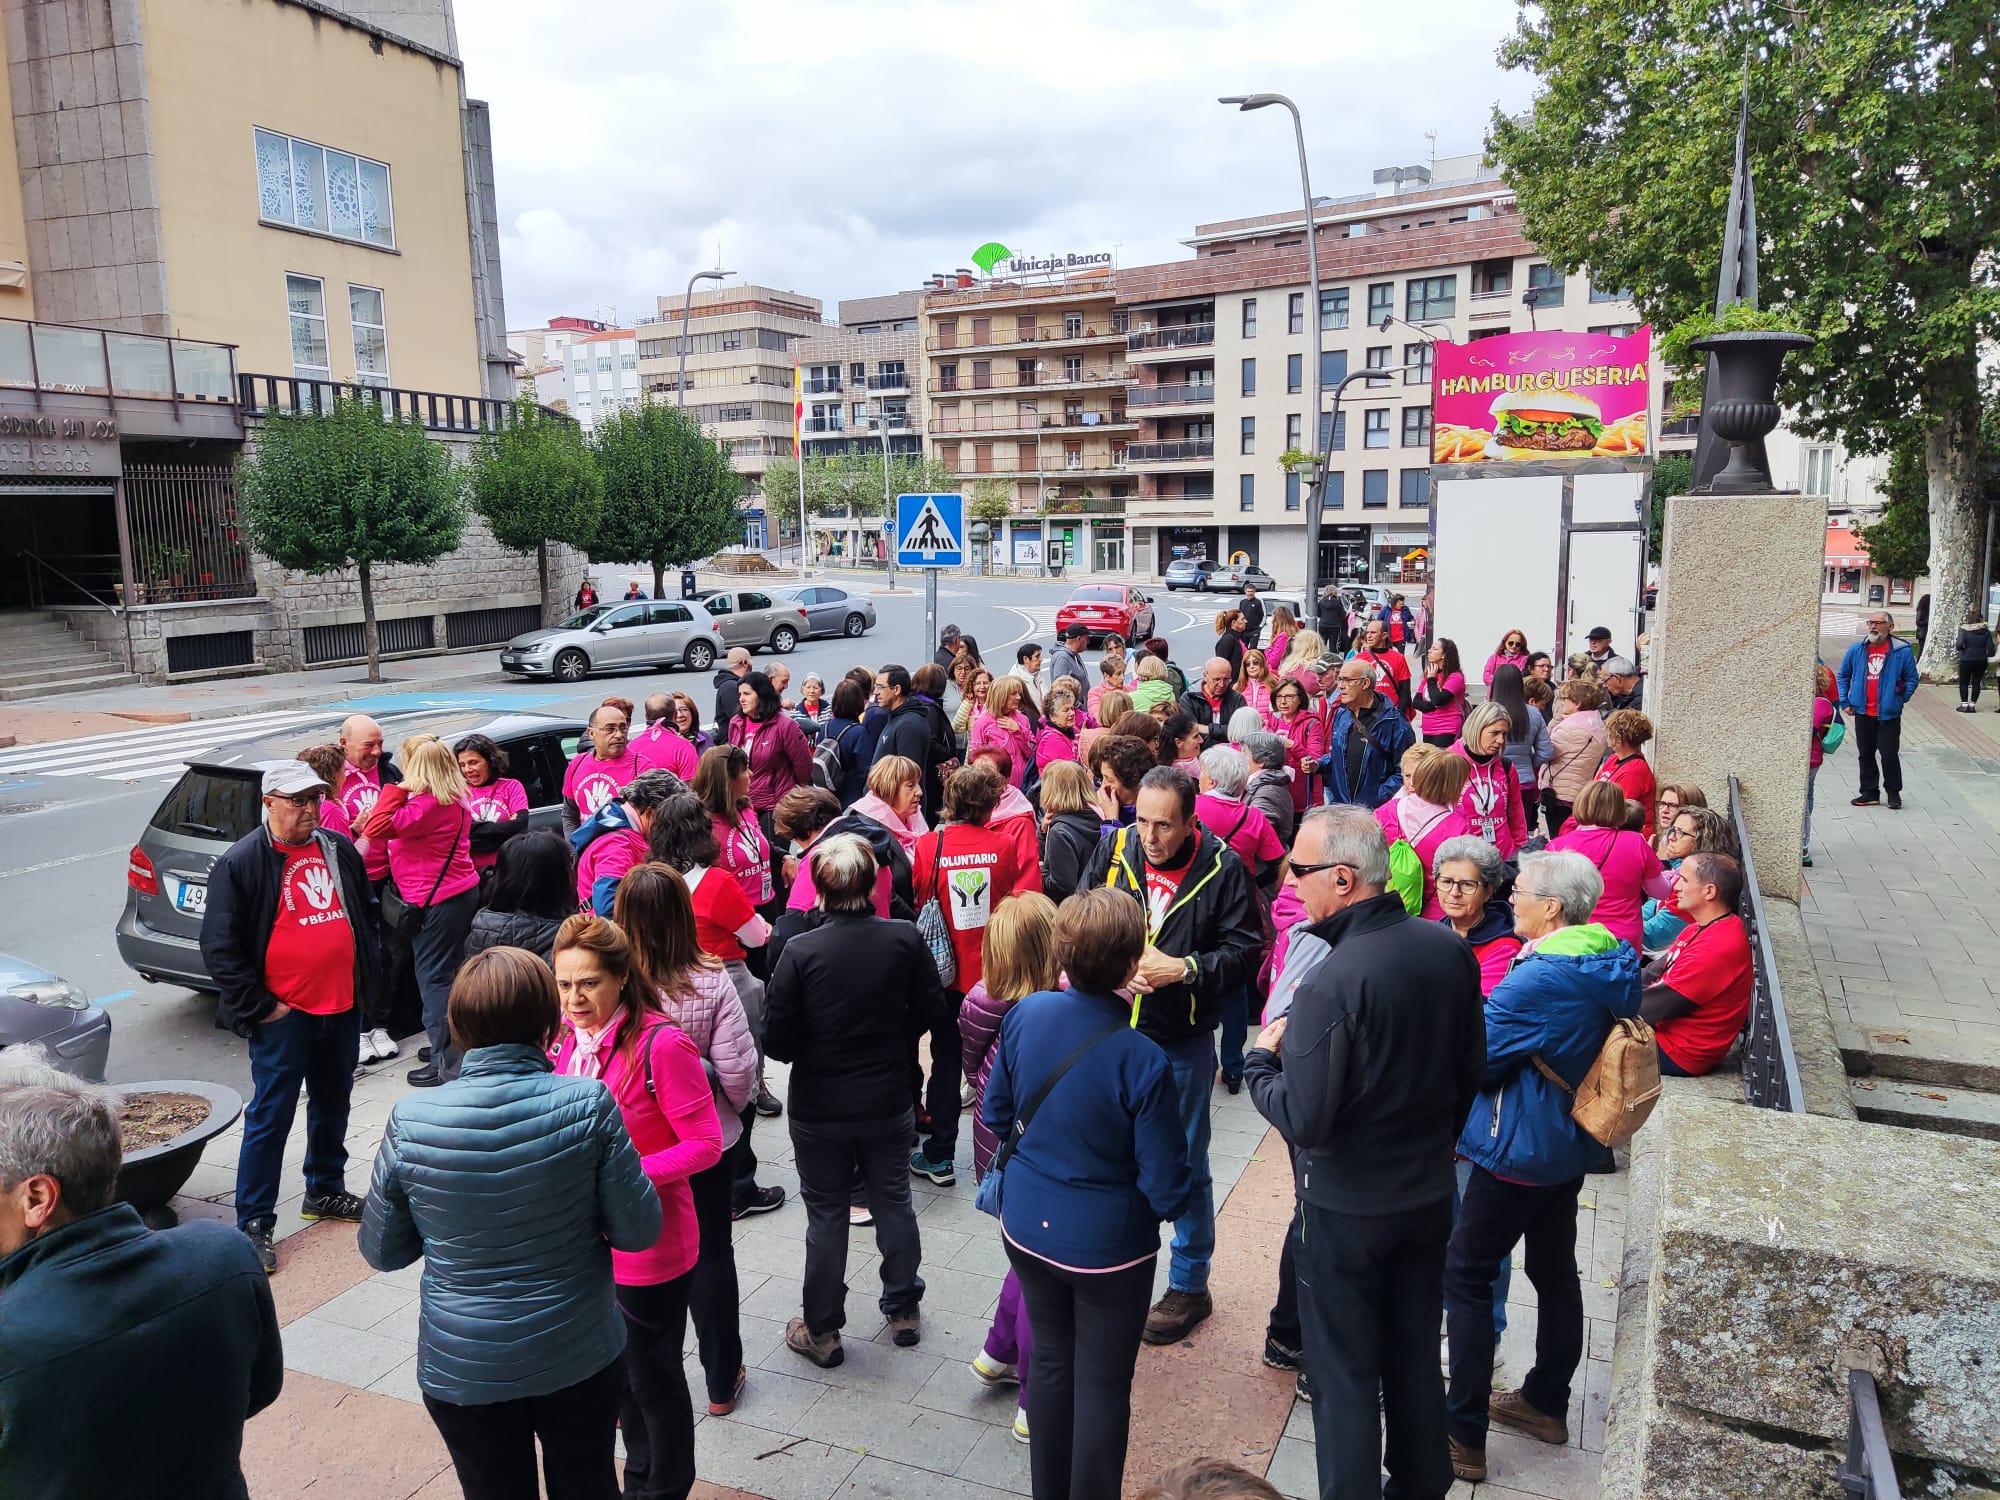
(1105,608)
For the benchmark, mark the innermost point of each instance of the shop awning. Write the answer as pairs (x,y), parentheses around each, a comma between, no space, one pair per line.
(1843,549)
(1413,556)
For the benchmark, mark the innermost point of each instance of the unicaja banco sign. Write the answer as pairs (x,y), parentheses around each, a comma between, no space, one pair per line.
(990,256)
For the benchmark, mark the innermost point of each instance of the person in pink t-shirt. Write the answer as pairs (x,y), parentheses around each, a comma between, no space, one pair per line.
(499,802)
(606,763)
(1625,858)
(1219,807)
(661,746)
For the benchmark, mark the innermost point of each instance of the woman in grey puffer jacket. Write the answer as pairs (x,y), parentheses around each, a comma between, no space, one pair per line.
(513,1185)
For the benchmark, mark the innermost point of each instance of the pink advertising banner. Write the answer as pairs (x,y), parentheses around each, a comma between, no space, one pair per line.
(1541,396)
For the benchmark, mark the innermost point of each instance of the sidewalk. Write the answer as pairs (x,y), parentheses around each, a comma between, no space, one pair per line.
(889,1422)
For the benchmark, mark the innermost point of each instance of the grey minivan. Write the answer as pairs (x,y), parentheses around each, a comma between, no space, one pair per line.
(612,637)
(219,799)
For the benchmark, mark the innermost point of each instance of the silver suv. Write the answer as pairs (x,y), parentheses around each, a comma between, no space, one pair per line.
(614,637)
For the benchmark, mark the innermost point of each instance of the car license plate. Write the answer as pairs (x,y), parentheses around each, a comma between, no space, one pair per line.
(192,897)
(507,660)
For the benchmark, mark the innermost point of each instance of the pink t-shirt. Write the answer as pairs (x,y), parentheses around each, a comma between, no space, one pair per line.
(496,802)
(1240,826)
(428,833)
(357,795)
(746,855)
(590,782)
(664,748)
(1631,871)
(333,818)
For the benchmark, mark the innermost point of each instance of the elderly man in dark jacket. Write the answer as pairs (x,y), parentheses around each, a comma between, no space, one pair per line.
(1365,744)
(290,939)
(1369,1075)
(1204,936)
(1211,701)
(130,1358)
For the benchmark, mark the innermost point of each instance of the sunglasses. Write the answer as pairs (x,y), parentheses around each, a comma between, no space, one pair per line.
(1299,871)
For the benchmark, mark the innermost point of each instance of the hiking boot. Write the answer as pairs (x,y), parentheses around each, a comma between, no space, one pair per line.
(906,1329)
(344,1206)
(727,1404)
(994,1371)
(1175,1316)
(824,1351)
(1280,1355)
(258,1233)
(940,1172)
(1511,1409)
(1468,1464)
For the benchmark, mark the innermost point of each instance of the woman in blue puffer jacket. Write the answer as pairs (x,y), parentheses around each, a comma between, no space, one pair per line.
(1550,1015)
(514,1185)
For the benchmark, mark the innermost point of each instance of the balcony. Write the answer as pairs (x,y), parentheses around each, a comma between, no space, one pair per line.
(1201,394)
(1091,331)
(822,385)
(1183,450)
(1009,380)
(1177,336)
(899,381)
(1088,421)
(1053,464)
(153,387)
(812,425)
(262,394)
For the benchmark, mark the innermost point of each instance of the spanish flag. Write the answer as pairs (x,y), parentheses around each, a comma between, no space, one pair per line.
(798,411)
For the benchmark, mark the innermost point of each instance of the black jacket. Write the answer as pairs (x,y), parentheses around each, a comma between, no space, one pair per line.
(1381,1060)
(919,730)
(1216,725)
(728,702)
(1253,614)
(243,908)
(1215,919)
(1068,843)
(512,929)
(131,1359)
(1229,646)
(1975,644)
(847,1000)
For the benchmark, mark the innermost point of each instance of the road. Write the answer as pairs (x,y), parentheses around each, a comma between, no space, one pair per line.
(69,813)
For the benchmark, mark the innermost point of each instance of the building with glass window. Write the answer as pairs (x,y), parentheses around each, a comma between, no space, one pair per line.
(863,393)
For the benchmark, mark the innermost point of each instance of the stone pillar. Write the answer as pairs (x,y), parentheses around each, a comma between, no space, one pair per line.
(1731,681)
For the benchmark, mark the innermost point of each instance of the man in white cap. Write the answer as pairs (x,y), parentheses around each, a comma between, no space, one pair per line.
(290,940)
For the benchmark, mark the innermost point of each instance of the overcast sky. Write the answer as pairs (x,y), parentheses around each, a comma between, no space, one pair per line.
(845,148)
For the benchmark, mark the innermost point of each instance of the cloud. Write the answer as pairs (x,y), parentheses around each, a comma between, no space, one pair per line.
(850,149)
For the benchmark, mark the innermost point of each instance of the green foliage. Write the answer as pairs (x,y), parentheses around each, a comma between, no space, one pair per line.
(669,491)
(852,482)
(348,488)
(1899,543)
(1690,367)
(535,481)
(1298,461)
(1673,474)
(990,501)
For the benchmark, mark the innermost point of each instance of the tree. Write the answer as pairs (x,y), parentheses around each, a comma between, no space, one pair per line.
(991,501)
(669,491)
(1898,542)
(535,481)
(851,482)
(348,488)
(1872,137)
(1673,474)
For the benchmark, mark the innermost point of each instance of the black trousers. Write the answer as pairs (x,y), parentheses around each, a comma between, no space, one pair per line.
(825,1154)
(740,1160)
(1555,810)
(1371,1287)
(1881,738)
(1491,1217)
(1284,1321)
(655,1413)
(714,1293)
(1971,678)
(493,1447)
(1087,1329)
(947,1072)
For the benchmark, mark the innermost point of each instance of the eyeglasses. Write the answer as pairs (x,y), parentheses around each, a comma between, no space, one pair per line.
(1678,832)
(300,799)
(1521,890)
(1459,887)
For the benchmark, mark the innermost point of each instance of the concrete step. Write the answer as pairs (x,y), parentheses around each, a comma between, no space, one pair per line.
(78,656)
(1926,1106)
(68,685)
(1913,1054)
(13,637)
(93,665)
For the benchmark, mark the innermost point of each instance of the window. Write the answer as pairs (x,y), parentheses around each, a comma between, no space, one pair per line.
(628,361)
(857,411)
(1295,373)
(1429,297)
(1334,496)
(1249,317)
(604,363)
(1332,368)
(668,614)
(1295,313)
(1294,428)
(1417,363)
(1247,442)
(1249,377)
(329,192)
(1381,302)
(1375,428)
(1333,437)
(1332,307)
(1291,491)
(1486,333)
(1376,358)
(1416,427)
(948,375)
(1416,491)
(1614,330)
(1246,492)
(1375,489)
(753,600)
(1072,325)
(1819,471)
(306,298)
(1547,283)
(371,335)
(1599,295)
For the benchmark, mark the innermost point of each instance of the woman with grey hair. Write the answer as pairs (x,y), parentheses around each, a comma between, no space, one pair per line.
(1469,874)
(847,1001)
(1491,801)
(1244,723)
(1269,788)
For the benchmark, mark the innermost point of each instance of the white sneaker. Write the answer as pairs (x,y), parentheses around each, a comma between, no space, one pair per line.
(381,1045)
(993,1371)
(965,1096)
(859,1215)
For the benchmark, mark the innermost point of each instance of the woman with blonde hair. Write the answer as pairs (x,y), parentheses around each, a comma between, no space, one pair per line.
(1071,827)
(974,702)
(1302,661)
(433,887)
(1003,723)
(1256,681)
(1426,812)
(1155,686)
(1284,625)
(1018,960)
(1111,706)
(1491,800)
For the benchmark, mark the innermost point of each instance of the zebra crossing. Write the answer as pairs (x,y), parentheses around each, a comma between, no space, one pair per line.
(159,752)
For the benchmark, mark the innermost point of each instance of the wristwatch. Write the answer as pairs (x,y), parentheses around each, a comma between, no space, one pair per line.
(1192,966)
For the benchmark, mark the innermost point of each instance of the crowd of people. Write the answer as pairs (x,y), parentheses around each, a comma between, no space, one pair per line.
(1405,913)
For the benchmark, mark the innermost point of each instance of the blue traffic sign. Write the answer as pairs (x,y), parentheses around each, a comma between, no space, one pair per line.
(930,531)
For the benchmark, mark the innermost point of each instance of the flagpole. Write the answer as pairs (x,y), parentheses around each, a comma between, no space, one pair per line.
(799,457)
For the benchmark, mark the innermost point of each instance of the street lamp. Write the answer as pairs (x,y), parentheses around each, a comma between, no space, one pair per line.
(687,306)
(880,417)
(1259,101)
(1316,487)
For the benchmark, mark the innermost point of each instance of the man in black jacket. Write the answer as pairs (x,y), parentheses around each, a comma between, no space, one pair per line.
(1369,1076)
(132,1357)
(1253,616)
(1204,934)
(290,940)
(910,732)
(1211,701)
(728,686)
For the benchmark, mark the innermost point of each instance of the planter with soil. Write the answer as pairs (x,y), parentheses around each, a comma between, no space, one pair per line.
(164,1125)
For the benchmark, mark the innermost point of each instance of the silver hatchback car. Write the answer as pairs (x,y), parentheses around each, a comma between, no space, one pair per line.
(832,611)
(751,618)
(615,637)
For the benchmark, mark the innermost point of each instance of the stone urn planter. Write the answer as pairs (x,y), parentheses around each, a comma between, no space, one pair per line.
(150,1175)
(1742,399)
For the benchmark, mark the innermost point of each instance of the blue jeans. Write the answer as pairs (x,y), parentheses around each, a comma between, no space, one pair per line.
(1506,1278)
(1193,1063)
(1805,837)
(1235,1026)
(319,1052)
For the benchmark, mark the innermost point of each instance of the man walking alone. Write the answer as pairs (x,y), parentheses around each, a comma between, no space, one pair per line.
(1877,676)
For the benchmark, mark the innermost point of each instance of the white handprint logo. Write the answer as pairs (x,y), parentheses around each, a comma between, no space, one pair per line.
(596,792)
(317,884)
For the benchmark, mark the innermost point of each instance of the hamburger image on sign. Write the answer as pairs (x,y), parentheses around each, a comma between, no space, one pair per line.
(1527,423)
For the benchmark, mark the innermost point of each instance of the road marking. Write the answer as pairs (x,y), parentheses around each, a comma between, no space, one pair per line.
(1039,618)
(165,749)
(116,995)
(68,859)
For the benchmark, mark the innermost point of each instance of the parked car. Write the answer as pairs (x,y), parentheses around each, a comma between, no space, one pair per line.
(1652,598)
(1232,578)
(607,637)
(43,1008)
(219,799)
(1102,608)
(1189,573)
(752,618)
(832,611)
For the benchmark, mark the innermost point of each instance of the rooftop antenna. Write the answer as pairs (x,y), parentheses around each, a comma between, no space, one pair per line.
(1432,137)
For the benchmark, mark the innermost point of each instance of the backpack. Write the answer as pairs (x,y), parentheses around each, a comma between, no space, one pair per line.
(1621,1088)
(1406,867)
(830,764)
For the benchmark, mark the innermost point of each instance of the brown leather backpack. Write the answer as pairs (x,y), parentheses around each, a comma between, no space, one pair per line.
(1621,1088)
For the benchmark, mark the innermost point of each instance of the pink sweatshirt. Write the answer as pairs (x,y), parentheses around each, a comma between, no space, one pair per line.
(676,1132)
(427,833)
(1014,815)
(1491,803)
(1445,720)
(1510,659)
(661,747)
(1426,826)
(1631,871)
(496,802)
(1010,734)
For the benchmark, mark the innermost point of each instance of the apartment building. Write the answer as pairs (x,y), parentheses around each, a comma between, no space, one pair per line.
(1026,384)
(597,374)
(863,392)
(1216,351)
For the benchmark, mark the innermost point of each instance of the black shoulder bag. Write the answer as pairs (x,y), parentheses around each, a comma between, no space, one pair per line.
(398,916)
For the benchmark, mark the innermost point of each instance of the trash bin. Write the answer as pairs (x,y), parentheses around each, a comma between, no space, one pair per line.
(687,583)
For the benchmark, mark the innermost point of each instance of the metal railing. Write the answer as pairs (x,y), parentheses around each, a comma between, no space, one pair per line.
(187,544)
(1179,336)
(820,386)
(1170,452)
(1868,1469)
(1083,421)
(1022,379)
(998,338)
(1170,395)
(1770,1068)
(1053,463)
(40,598)
(437,411)
(68,359)
(896,382)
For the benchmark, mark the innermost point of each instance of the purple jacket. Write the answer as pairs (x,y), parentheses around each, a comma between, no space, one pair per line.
(979,1032)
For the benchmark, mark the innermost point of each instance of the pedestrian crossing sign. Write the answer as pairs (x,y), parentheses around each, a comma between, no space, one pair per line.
(930,531)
